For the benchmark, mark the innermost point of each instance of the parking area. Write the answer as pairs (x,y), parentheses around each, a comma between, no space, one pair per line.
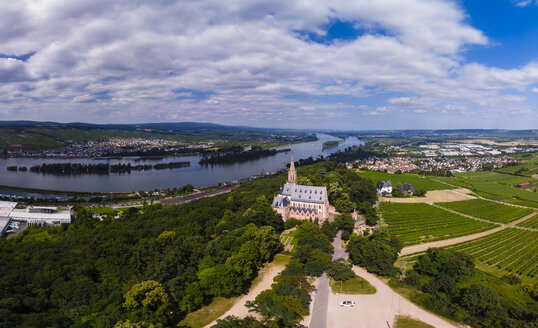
(17,228)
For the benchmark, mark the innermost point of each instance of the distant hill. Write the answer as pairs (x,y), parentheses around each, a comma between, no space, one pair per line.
(32,134)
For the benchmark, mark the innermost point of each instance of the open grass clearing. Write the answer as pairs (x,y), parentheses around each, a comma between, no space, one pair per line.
(488,210)
(419,182)
(103,210)
(353,286)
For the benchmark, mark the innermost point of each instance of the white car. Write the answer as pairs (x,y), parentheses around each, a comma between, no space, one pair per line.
(347,303)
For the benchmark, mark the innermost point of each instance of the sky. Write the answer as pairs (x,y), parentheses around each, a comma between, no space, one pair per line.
(351,65)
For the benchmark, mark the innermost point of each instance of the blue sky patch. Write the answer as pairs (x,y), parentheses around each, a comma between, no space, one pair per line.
(23,57)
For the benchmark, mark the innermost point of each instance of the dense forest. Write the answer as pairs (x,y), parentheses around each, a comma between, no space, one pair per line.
(81,168)
(96,273)
(152,266)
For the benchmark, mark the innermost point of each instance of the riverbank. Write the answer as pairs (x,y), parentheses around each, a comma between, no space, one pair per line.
(196,174)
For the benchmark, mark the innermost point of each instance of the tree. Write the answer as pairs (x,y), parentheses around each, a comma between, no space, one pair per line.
(478,299)
(127,324)
(443,261)
(339,269)
(244,266)
(345,222)
(286,309)
(317,262)
(413,278)
(194,297)
(419,192)
(344,203)
(220,280)
(147,302)
(377,252)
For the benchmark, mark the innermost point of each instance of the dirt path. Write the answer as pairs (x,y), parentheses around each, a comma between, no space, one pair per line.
(239,309)
(376,310)
(447,242)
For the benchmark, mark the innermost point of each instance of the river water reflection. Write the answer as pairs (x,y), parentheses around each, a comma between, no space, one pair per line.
(196,174)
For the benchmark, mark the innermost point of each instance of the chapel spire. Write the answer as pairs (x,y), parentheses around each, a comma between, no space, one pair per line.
(292,173)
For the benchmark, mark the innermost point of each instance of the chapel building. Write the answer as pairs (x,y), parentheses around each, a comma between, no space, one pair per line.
(301,202)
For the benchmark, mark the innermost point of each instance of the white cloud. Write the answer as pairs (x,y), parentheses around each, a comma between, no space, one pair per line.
(517,98)
(522,3)
(535,90)
(240,61)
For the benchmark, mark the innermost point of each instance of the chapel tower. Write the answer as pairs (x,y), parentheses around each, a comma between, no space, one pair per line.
(292,173)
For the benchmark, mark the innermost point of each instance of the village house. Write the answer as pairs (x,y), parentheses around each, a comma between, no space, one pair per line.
(384,188)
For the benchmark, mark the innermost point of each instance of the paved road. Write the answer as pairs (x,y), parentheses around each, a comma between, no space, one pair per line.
(319,314)
(321,301)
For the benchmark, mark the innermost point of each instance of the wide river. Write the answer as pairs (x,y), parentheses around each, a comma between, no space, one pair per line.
(196,174)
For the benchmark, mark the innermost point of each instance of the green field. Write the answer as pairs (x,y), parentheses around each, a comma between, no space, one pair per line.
(488,210)
(508,251)
(487,176)
(530,223)
(495,186)
(417,181)
(417,223)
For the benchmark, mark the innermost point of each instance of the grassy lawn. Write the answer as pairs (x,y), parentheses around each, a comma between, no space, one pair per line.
(103,210)
(287,238)
(209,313)
(220,305)
(407,322)
(419,182)
(352,286)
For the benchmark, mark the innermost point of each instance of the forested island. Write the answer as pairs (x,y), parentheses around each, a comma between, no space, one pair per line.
(237,155)
(331,144)
(80,168)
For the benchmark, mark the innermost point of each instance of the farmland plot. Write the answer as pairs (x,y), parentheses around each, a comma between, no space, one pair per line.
(488,210)
(418,223)
(530,223)
(511,250)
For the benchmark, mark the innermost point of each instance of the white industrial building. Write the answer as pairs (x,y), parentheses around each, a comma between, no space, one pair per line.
(35,215)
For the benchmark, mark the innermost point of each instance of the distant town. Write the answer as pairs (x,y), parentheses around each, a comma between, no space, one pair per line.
(454,157)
